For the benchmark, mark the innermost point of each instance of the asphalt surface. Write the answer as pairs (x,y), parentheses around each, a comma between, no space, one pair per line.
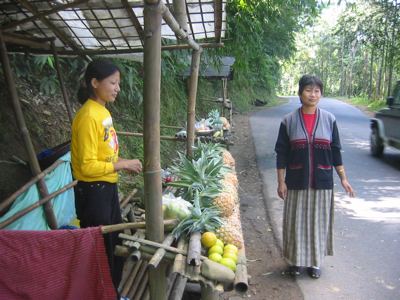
(366,264)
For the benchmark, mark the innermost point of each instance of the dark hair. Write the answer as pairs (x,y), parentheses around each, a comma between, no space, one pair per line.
(98,69)
(310,80)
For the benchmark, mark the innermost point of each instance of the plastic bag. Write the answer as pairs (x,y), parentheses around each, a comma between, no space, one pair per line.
(175,207)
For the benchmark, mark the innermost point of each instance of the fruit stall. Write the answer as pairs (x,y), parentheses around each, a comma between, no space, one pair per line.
(189,234)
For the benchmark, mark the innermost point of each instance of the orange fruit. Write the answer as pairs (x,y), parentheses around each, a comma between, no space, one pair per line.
(230,247)
(228,262)
(215,249)
(215,257)
(208,239)
(230,255)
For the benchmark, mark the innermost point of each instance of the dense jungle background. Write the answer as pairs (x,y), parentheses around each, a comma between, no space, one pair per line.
(274,42)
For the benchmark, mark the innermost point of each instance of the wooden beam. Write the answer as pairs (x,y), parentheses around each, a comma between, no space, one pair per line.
(63,37)
(218,20)
(55,9)
(134,20)
(27,41)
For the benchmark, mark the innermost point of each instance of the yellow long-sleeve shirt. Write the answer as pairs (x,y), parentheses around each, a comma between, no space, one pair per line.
(94,145)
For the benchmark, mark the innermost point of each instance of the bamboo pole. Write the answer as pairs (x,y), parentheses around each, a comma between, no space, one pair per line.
(241,284)
(45,13)
(179,288)
(28,209)
(62,85)
(142,287)
(27,185)
(34,164)
(158,256)
(194,250)
(127,285)
(175,27)
(151,139)
(64,52)
(146,295)
(191,107)
(179,269)
(139,134)
(148,252)
(170,283)
(138,279)
(155,244)
(137,225)
(179,7)
(125,201)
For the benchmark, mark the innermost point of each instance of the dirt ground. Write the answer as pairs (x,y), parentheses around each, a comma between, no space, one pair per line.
(264,261)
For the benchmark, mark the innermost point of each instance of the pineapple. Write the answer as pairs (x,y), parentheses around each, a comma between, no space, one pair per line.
(230,178)
(231,230)
(228,158)
(226,202)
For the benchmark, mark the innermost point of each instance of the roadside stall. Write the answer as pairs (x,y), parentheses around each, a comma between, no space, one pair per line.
(159,266)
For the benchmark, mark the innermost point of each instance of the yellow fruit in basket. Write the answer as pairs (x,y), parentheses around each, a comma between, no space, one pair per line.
(230,255)
(228,262)
(215,249)
(219,243)
(208,239)
(232,248)
(215,257)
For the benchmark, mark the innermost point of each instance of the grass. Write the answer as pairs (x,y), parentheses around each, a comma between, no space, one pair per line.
(369,104)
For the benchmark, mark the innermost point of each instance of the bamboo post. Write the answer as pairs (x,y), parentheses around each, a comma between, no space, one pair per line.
(241,284)
(158,256)
(28,209)
(61,80)
(27,185)
(191,107)
(34,163)
(194,252)
(151,139)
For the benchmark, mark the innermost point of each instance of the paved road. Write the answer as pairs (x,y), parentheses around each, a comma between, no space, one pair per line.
(366,264)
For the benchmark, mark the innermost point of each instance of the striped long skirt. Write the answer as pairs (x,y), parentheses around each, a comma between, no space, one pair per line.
(308,227)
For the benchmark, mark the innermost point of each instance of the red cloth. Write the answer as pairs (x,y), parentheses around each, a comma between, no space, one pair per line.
(309,121)
(57,264)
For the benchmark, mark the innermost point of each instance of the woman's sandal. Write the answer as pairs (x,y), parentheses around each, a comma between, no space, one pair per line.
(314,272)
(293,271)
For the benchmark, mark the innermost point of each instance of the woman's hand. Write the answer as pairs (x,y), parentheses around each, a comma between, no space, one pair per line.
(282,190)
(130,165)
(133,165)
(347,187)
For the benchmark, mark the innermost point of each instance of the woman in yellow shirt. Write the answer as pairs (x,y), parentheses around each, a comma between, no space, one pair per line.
(95,161)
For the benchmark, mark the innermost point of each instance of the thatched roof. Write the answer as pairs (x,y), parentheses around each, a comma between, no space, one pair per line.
(99,26)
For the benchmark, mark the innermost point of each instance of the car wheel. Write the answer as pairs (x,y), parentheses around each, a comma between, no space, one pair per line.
(376,143)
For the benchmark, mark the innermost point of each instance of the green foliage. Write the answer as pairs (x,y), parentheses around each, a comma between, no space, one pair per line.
(260,36)
(357,56)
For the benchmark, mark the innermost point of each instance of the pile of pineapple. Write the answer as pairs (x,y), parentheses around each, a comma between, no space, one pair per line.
(208,180)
